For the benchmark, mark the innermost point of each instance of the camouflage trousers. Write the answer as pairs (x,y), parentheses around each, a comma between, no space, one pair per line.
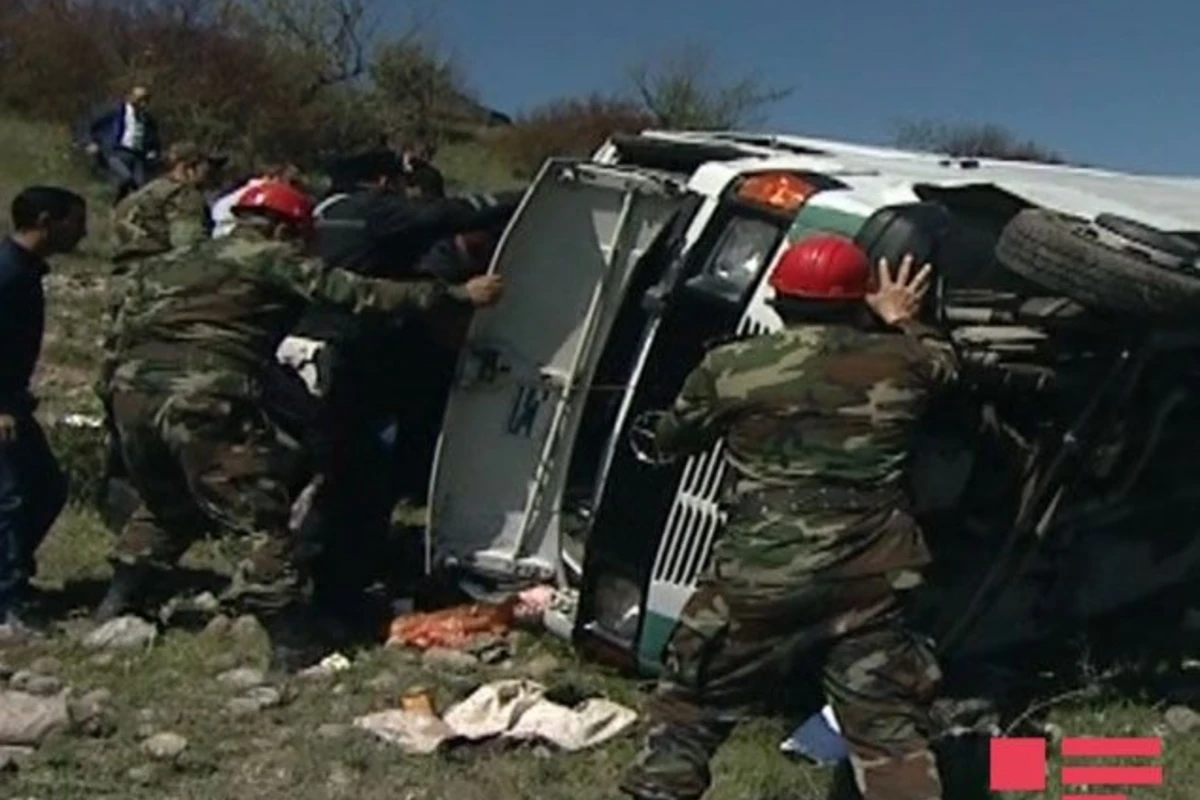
(733,648)
(202,463)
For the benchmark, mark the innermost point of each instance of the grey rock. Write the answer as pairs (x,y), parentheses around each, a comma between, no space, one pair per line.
(46,666)
(206,603)
(541,666)
(102,660)
(144,775)
(218,626)
(242,678)
(338,689)
(441,658)
(36,684)
(13,758)
(165,746)
(121,633)
(1182,719)
(266,696)
(246,628)
(243,707)
(99,726)
(27,720)
(84,709)
(90,717)
(145,730)
(257,699)
(315,675)
(333,730)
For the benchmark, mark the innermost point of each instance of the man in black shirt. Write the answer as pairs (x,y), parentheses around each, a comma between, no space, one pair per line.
(46,221)
(376,373)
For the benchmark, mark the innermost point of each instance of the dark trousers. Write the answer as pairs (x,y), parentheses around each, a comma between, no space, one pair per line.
(33,491)
(127,171)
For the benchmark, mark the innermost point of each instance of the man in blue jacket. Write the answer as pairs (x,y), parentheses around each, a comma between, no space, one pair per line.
(46,221)
(126,137)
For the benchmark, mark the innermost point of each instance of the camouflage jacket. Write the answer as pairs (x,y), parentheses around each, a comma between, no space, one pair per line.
(817,425)
(162,215)
(209,318)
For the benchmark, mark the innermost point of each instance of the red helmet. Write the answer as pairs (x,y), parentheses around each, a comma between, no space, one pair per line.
(822,267)
(281,198)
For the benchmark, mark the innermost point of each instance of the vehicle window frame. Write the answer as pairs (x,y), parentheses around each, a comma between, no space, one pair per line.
(701,282)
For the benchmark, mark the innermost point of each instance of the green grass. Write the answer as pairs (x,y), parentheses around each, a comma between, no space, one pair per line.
(279,754)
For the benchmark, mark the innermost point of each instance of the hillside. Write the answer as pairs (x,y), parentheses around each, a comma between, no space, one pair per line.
(303,747)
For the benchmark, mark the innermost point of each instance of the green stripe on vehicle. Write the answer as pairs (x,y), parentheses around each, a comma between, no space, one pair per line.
(815,219)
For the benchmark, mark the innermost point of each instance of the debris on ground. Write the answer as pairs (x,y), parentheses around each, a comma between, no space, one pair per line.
(532,604)
(451,627)
(817,740)
(329,666)
(27,720)
(124,632)
(513,709)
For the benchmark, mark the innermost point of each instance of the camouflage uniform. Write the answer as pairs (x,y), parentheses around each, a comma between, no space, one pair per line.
(818,545)
(196,331)
(163,215)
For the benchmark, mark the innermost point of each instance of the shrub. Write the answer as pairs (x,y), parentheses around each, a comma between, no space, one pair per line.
(568,127)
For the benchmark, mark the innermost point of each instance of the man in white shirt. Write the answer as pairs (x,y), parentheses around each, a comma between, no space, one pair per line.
(126,137)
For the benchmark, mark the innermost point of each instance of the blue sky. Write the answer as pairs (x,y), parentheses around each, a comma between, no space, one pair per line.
(1096,80)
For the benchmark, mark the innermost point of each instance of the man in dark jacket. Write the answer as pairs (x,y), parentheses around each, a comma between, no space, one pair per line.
(126,138)
(369,226)
(46,221)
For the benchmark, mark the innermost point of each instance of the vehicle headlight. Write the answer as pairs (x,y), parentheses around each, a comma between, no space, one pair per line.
(738,257)
(617,607)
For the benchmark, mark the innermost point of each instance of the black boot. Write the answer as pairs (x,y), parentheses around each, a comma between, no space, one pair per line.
(126,590)
(295,641)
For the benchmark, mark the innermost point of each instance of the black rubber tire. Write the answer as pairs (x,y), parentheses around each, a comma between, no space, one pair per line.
(1146,236)
(1047,248)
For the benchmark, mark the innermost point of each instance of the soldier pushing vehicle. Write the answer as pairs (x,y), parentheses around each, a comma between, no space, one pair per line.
(196,334)
(820,542)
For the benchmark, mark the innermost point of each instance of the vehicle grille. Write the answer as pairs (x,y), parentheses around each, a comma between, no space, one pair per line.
(695,517)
